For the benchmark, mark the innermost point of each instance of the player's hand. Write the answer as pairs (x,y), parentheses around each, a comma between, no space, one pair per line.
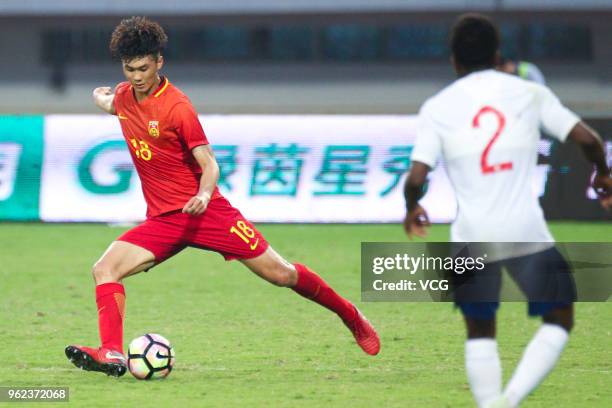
(103,97)
(102,91)
(602,184)
(196,205)
(416,222)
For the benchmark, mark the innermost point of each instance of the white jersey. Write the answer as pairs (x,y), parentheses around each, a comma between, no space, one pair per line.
(486,126)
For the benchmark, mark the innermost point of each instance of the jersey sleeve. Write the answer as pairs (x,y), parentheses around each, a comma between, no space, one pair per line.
(120,91)
(188,126)
(555,119)
(428,146)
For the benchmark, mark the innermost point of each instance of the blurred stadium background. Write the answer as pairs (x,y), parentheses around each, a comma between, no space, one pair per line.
(310,105)
(297,56)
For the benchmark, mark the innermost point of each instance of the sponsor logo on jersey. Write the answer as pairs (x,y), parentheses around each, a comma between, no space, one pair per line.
(154,128)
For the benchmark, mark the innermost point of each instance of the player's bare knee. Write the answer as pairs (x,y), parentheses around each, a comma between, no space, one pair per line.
(560,317)
(103,273)
(283,276)
(568,325)
(477,328)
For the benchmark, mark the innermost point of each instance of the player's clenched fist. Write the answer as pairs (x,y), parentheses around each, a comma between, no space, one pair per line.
(102,90)
(416,222)
(196,205)
(103,97)
(603,187)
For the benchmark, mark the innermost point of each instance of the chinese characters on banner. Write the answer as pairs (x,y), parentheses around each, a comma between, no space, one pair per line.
(343,169)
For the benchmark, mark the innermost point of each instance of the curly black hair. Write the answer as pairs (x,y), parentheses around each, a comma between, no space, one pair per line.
(474,41)
(136,37)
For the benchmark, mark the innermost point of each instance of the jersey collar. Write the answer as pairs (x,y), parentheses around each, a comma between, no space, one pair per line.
(162,87)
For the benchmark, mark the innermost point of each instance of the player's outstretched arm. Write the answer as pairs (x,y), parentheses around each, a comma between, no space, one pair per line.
(104,97)
(210,175)
(416,220)
(594,151)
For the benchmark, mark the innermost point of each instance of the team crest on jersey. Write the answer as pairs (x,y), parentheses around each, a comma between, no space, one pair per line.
(154,128)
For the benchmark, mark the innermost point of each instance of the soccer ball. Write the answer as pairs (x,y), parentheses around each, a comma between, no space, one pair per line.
(150,356)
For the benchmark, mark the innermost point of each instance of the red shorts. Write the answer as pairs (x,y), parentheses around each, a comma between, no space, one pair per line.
(221,228)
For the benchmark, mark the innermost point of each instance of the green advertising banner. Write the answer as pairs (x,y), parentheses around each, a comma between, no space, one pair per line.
(21,149)
(277,168)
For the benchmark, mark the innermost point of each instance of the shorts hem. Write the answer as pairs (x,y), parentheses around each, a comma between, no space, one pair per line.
(233,257)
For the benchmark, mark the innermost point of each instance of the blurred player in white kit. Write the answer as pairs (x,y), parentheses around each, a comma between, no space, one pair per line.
(485,127)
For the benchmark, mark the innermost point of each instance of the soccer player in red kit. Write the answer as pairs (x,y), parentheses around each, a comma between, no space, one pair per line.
(179,176)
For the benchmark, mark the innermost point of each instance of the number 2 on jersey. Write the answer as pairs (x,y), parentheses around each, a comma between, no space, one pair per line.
(245,233)
(485,167)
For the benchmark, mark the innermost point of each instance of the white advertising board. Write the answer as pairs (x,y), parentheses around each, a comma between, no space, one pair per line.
(274,169)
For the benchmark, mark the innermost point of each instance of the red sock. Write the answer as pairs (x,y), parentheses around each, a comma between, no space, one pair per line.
(110,298)
(313,287)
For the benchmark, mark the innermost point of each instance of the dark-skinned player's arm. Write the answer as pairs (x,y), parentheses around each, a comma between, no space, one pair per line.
(104,97)
(210,175)
(416,220)
(593,149)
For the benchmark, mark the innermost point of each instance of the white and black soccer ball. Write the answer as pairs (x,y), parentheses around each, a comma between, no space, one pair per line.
(150,356)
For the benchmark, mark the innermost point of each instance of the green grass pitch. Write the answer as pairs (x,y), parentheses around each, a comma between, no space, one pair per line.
(242,342)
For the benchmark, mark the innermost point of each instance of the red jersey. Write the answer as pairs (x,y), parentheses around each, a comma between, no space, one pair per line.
(160,131)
